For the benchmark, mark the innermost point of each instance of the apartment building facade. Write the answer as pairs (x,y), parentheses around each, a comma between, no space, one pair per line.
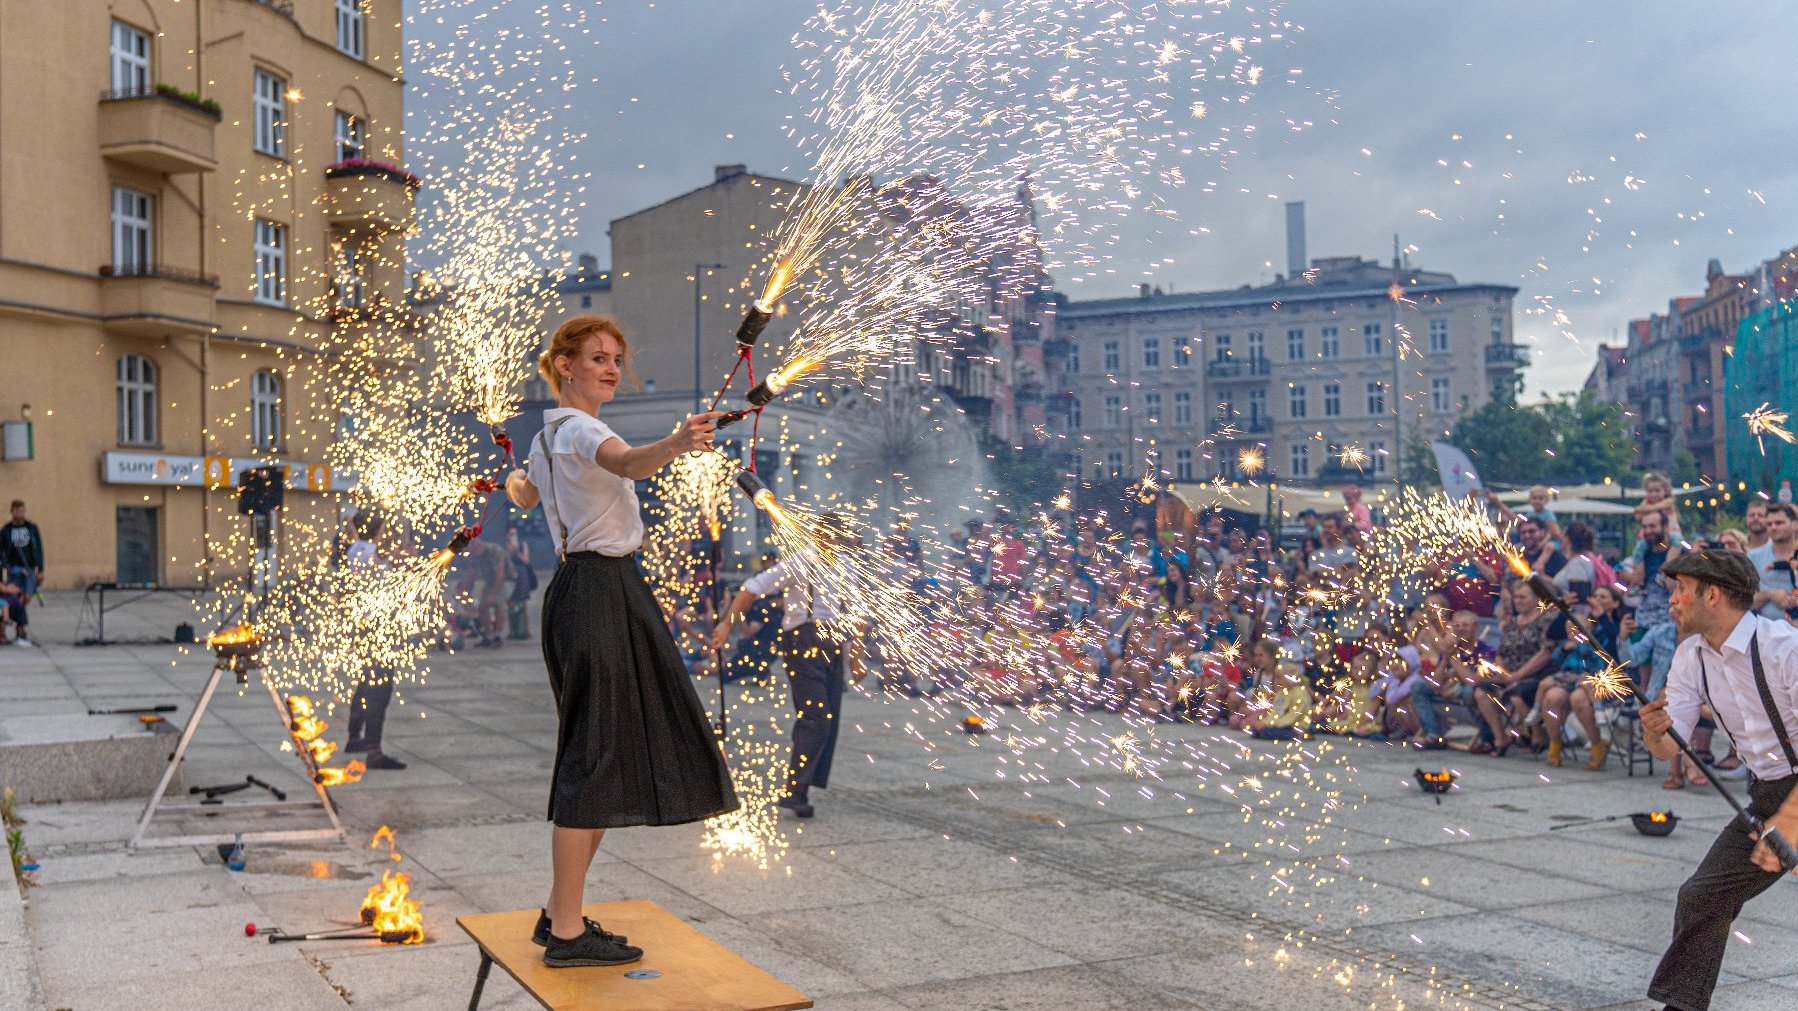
(195,195)
(1325,375)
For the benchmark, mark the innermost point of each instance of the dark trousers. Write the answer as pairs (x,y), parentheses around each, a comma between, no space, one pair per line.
(815,670)
(1709,902)
(368,711)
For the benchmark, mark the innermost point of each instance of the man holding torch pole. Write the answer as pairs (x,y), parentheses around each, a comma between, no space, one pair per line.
(1745,668)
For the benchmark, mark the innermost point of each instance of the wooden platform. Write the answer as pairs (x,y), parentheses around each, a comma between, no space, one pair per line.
(697,973)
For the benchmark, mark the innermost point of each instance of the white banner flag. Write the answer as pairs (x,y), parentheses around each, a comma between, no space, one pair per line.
(1458,475)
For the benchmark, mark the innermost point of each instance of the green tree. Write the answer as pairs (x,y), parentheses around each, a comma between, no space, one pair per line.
(1569,439)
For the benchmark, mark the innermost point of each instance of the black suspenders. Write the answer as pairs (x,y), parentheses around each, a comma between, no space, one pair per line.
(1767,701)
(546,436)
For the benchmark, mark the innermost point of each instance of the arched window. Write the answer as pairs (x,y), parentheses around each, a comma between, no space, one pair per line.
(265,409)
(137,401)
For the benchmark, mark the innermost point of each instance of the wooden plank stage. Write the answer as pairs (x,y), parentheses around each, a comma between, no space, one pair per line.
(697,973)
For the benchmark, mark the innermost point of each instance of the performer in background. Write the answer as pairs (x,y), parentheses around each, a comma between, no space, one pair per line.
(1745,668)
(633,746)
(814,662)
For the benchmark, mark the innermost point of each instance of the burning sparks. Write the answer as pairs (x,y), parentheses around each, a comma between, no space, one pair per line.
(1250,461)
(1764,421)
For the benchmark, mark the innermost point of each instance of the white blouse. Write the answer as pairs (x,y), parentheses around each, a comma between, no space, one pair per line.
(588,507)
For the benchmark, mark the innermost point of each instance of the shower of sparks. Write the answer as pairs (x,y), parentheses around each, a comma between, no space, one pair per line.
(1764,421)
(1611,683)
(1353,456)
(1250,461)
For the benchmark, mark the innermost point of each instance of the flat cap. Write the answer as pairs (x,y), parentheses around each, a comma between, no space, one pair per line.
(1730,570)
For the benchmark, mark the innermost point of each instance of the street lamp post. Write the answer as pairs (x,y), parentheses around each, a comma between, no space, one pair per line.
(699,270)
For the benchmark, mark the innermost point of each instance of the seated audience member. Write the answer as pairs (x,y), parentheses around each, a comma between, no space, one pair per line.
(1565,687)
(1463,674)
(1280,710)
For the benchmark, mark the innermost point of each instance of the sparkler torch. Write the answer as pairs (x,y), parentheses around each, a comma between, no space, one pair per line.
(753,487)
(755,320)
(1550,594)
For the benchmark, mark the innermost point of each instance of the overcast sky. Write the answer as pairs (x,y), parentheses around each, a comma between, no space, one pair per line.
(1606,150)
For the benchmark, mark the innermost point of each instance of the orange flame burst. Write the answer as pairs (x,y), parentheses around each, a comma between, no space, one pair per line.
(777,283)
(321,749)
(234,636)
(388,908)
(306,726)
(385,834)
(350,773)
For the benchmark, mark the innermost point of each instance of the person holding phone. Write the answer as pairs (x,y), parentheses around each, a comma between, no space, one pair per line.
(1777,597)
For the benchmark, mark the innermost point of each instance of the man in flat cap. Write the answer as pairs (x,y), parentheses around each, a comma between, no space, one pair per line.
(1745,668)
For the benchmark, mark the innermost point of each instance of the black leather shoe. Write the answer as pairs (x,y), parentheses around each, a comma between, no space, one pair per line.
(541,935)
(594,947)
(799,807)
(382,760)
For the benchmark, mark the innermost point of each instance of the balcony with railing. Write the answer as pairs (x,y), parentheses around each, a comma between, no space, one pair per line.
(162,129)
(1696,391)
(157,301)
(363,195)
(1509,354)
(1237,368)
(1238,427)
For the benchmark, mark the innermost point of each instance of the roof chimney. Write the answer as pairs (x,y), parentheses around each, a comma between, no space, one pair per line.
(1142,291)
(723,172)
(1296,263)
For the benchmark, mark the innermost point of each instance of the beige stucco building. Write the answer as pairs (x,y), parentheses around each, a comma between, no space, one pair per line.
(194,195)
(1304,370)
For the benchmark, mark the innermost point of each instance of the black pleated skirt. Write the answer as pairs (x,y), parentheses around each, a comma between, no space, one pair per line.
(633,745)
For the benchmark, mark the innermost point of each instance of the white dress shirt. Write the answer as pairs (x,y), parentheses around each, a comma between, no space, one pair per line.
(588,507)
(799,604)
(1733,695)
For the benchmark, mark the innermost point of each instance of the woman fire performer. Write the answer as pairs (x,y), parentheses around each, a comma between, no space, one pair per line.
(633,746)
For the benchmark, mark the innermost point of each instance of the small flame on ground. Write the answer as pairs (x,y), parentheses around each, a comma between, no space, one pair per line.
(387,907)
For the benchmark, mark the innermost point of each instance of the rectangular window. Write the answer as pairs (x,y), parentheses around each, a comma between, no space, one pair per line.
(350,136)
(271,263)
(1182,408)
(1295,345)
(1438,336)
(271,114)
(1332,400)
(1300,461)
(130,60)
(1373,340)
(1114,412)
(1295,401)
(1376,398)
(1221,346)
(1329,343)
(1376,458)
(348,284)
(1257,345)
(1151,405)
(1074,414)
(1440,399)
(1074,357)
(1257,407)
(1498,329)
(1182,353)
(1151,352)
(1114,463)
(131,236)
(349,27)
(1113,358)
(1183,465)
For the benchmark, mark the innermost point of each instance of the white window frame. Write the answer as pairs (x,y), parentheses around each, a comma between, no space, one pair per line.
(1373,340)
(1182,352)
(1295,400)
(130,59)
(1114,412)
(271,262)
(349,284)
(1151,353)
(1114,358)
(265,409)
(1257,345)
(1299,460)
(1182,407)
(137,400)
(1330,343)
(1257,406)
(1074,414)
(1151,406)
(1223,346)
(1114,463)
(350,134)
(1376,397)
(1498,329)
(351,25)
(1376,456)
(1295,344)
(1183,465)
(1332,400)
(1442,398)
(270,104)
(1439,336)
(1074,357)
(133,231)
